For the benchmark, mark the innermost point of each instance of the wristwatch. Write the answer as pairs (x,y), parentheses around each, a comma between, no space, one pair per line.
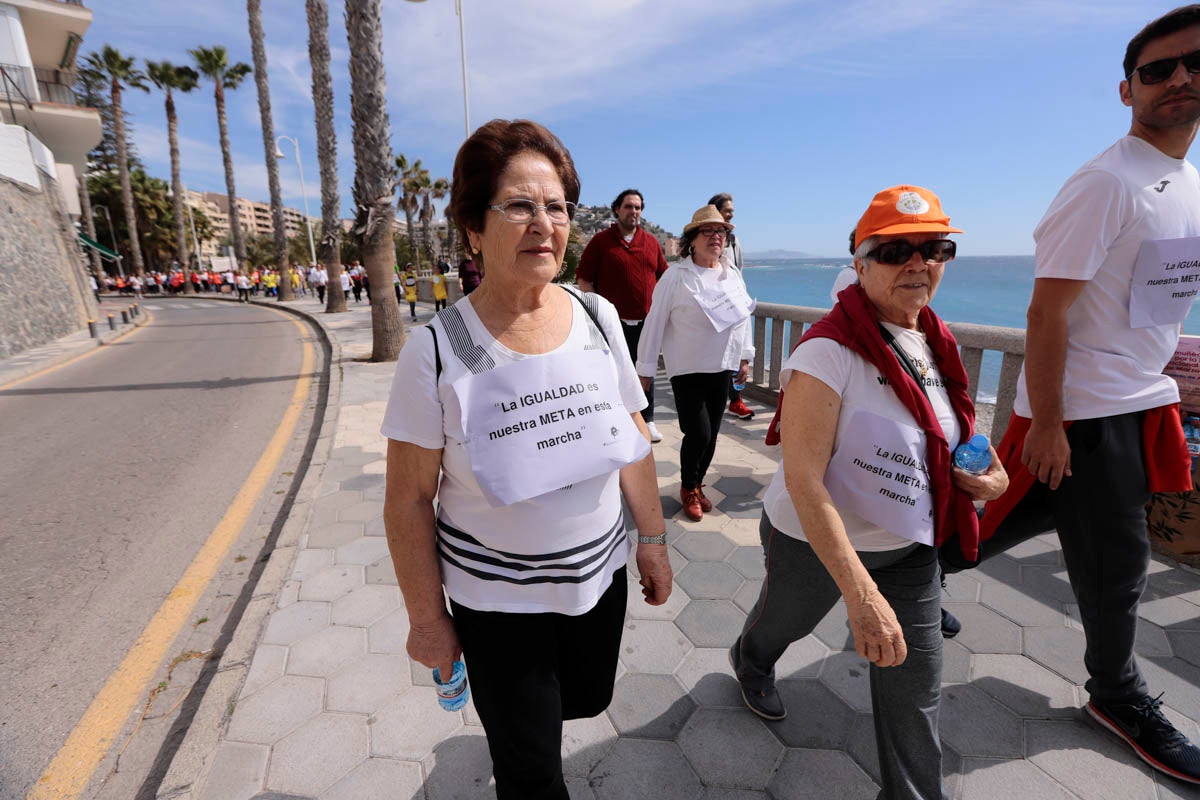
(659,539)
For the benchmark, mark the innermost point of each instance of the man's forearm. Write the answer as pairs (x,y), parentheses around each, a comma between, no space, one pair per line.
(1045,363)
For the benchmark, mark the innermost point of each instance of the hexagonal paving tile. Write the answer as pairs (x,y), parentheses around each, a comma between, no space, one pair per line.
(411,724)
(1087,760)
(363,551)
(748,561)
(360,482)
(460,767)
(1185,645)
(333,534)
(802,659)
(324,653)
(817,718)
(367,683)
(711,623)
(652,646)
(638,608)
(278,708)
(709,580)
(666,467)
(1026,687)
(1018,777)
(728,747)
(339,500)
(298,620)
(1058,648)
(379,779)
(585,742)
(649,706)
(834,629)
(365,605)
(808,774)
(956,662)
(331,583)
(704,546)
(644,769)
(719,793)
(976,725)
(382,573)
(745,597)
(243,768)
(341,739)
(984,630)
(707,676)
(390,634)
(849,676)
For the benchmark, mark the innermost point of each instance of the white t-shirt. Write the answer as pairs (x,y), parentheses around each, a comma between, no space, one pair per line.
(495,558)
(861,386)
(1130,193)
(678,327)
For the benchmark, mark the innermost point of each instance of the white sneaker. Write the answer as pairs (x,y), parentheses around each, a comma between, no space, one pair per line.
(655,436)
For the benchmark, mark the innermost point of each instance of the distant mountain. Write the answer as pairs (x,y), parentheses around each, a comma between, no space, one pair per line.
(764,255)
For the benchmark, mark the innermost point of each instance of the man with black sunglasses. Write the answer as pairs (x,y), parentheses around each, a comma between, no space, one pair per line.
(1096,426)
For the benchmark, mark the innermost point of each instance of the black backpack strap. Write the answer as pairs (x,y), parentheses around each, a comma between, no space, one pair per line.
(588,301)
(437,354)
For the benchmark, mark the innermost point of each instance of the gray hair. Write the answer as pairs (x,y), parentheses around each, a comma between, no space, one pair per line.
(868,244)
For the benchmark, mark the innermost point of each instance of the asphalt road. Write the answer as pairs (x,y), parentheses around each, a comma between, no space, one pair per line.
(114,470)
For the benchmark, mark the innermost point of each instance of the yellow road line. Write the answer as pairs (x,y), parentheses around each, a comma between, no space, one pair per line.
(84,354)
(71,769)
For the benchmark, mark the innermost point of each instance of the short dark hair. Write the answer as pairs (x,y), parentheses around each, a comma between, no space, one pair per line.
(721,199)
(1171,22)
(486,154)
(685,244)
(616,204)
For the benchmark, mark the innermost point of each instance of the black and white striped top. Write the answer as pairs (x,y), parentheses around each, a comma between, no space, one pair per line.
(556,552)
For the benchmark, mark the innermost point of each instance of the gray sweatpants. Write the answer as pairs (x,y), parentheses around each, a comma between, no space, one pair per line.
(797,594)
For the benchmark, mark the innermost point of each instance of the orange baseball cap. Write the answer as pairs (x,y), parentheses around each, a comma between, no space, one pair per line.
(903,209)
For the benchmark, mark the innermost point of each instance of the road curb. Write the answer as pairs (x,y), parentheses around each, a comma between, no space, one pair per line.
(61,350)
(193,758)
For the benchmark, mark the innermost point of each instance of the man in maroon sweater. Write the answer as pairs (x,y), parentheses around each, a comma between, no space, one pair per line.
(622,265)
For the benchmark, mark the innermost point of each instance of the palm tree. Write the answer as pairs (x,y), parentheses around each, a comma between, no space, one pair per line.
(120,74)
(170,79)
(373,177)
(436,190)
(415,184)
(409,202)
(331,225)
(259,51)
(214,62)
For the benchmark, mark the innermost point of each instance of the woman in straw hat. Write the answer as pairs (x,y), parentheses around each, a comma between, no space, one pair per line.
(876,401)
(700,321)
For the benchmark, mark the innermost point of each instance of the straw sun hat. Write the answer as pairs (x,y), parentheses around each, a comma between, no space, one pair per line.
(704,216)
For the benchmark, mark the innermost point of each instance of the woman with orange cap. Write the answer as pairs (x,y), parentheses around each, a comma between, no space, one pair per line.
(875,403)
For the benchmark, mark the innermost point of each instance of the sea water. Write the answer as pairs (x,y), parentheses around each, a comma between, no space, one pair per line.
(986,290)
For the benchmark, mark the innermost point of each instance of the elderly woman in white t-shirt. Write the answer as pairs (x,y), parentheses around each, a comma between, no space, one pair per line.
(518,409)
(875,402)
(700,321)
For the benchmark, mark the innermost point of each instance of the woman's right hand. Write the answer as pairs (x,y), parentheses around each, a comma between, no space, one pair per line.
(435,644)
(877,634)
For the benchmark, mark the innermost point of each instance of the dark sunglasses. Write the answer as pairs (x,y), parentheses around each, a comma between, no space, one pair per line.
(1159,71)
(899,251)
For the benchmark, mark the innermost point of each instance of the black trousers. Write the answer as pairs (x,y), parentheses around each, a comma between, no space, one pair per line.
(1100,514)
(320,293)
(700,401)
(633,335)
(528,673)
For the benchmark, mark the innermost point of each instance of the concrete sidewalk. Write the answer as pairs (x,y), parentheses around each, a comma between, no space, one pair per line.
(319,700)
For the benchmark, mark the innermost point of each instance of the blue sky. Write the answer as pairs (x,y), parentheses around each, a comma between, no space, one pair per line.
(802,110)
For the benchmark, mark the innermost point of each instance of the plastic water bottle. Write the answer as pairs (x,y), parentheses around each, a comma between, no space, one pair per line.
(973,455)
(452,695)
(737,387)
(1191,433)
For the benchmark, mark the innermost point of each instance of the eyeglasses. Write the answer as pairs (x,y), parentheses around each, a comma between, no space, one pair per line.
(522,212)
(1159,71)
(899,251)
(712,232)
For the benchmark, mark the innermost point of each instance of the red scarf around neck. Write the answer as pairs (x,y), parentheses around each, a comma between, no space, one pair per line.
(854,323)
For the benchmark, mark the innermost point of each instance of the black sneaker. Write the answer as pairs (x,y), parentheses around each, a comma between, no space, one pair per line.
(765,702)
(950,625)
(1151,735)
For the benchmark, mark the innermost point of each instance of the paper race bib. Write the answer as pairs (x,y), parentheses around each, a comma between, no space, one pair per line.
(1166,279)
(544,423)
(879,473)
(725,305)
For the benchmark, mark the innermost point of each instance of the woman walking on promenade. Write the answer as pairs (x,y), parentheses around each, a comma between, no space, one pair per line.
(700,321)
(876,402)
(518,408)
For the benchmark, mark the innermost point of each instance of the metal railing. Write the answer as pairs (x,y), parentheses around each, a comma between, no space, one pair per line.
(783,325)
(54,86)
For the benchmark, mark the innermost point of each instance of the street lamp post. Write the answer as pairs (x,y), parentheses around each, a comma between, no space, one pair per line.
(312,249)
(112,231)
(462,51)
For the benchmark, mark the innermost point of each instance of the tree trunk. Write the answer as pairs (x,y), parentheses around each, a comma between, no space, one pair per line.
(89,227)
(181,249)
(123,173)
(322,80)
(259,51)
(373,182)
(235,223)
